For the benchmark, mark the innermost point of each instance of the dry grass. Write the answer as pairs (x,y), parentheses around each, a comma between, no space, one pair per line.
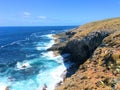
(113,40)
(108,25)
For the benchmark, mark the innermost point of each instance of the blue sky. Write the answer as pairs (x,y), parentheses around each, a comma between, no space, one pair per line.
(56,12)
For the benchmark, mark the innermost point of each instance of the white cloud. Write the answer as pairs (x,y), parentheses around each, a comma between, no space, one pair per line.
(42,17)
(26,14)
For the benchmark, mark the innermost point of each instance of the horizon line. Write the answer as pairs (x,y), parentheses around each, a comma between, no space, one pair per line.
(41,26)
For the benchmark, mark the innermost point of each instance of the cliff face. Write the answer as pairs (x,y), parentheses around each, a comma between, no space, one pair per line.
(95,47)
(82,48)
(101,71)
(88,37)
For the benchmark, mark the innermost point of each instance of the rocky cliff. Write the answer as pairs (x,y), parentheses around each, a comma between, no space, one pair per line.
(95,48)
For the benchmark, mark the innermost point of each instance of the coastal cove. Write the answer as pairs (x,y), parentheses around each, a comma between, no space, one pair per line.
(25,61)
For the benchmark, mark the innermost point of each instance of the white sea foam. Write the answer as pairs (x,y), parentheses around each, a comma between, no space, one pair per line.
(39,48)
(50,44)
(22,65)
(58,58)
(48,36)
(4,83)
(53,77)
(48,54)
(58,74)
(45,46)
(2,87)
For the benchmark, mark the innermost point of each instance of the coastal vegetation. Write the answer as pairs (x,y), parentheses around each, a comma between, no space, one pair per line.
(95,50)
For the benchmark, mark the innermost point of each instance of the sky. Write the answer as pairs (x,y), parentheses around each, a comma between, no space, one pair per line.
(56,12)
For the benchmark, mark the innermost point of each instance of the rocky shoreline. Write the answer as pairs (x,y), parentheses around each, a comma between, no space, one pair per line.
(95,50)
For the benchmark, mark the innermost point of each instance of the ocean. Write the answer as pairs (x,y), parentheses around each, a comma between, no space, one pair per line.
(25,63)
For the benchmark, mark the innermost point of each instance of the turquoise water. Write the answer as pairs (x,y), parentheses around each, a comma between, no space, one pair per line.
(25,62)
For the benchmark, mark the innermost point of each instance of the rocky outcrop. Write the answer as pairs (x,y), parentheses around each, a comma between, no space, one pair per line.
(95,47)
(61,40)
(82,41)
(82,48)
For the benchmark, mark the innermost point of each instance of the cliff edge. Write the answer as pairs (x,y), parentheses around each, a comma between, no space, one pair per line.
(95,50)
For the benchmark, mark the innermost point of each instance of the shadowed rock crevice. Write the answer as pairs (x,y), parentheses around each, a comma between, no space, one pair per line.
(81,49)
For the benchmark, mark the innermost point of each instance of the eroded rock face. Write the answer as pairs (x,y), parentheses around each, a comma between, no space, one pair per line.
(62,40)
(82,48)
(101,71)
(96,48)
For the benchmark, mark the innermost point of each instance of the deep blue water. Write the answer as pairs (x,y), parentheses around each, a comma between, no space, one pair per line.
(27,46)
